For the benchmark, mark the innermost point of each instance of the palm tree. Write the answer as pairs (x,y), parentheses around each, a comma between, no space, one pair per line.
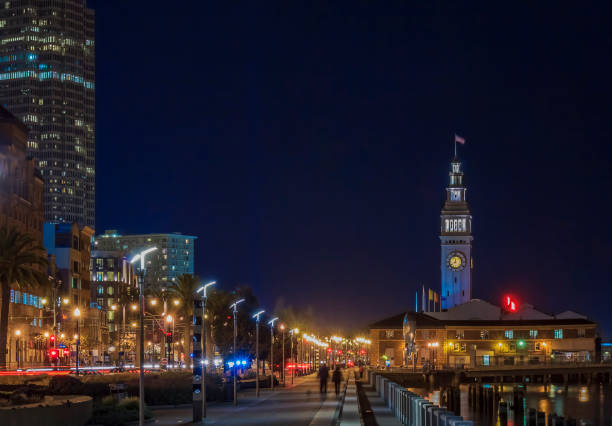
(22,263)
(184,290)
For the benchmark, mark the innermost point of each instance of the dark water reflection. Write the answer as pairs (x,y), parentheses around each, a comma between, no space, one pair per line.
(592,403)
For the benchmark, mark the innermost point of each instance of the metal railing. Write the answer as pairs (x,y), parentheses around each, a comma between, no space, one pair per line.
(411,409)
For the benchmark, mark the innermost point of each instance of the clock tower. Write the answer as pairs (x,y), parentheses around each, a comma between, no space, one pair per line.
(456,242)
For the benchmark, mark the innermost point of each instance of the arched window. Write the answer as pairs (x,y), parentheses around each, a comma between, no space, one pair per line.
(100,289)
(110,290)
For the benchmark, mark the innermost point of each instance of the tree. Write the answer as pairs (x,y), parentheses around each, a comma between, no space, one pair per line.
(222,321)
(184,290)
(22,263)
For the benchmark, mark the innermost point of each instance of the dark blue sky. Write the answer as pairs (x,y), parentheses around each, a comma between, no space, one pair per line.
(307,145)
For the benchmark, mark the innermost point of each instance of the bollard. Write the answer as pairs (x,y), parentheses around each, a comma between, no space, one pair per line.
(540,418)
(531,417)
(447,417)
(503,413)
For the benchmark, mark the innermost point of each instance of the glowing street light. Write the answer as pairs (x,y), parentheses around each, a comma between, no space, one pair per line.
(77,314)
(141,256)
(256,316)
(271,322)
(234,307)
(204,290)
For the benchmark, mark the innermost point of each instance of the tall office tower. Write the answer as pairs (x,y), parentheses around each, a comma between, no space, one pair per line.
(47,79)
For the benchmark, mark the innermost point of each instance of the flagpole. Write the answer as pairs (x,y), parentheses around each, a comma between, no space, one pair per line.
(455,146)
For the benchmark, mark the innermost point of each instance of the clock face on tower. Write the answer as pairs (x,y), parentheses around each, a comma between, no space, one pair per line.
(456,261)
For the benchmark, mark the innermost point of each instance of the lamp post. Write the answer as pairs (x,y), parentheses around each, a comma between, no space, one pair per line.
(282,327)
(203,289)
(77,314)
(271,322)
(234,307)
(256,316)
(141,256)
(17,348)
(168,340)
(292,332)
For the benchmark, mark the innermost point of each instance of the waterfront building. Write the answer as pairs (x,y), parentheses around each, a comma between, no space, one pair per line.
(174,255)
(473,332)
(21,208)
(479,333)
(47,79)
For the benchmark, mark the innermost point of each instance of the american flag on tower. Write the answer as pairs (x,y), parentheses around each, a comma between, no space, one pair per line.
(459,139)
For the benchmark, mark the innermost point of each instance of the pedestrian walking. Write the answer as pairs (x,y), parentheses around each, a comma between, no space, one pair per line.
(337,379)
(323,376)
(361,371)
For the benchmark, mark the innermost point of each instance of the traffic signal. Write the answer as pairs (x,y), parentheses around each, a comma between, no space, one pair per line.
(53,354)
(52,339)
(169,337)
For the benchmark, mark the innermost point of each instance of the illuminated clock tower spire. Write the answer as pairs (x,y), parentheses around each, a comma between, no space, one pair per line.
(456,241)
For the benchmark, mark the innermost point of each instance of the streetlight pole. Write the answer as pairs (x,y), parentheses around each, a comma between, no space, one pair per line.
(256,316)
(141,256)
(204,288)
(234,307)
(271,322)
(292,332)
(282,327)
(77,314)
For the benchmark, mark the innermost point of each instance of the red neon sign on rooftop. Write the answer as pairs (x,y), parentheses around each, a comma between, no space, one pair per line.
(510,304)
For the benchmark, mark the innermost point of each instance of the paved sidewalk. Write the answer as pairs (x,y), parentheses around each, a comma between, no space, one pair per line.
(301,404)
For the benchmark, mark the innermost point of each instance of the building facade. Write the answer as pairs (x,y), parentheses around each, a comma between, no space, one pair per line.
(174,255)
(21,208)
(114,291)
(47,79)
(481,334)
(456,262)
(70,244)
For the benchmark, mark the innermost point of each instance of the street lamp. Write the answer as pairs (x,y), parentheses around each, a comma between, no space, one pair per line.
(77,314)
(17,347)
(234,307)
(256,316)
(204,290)
(271,322)
(282,327)
(141,256)
(169,352)
(292,332)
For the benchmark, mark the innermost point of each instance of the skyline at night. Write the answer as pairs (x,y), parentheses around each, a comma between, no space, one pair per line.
(312,166)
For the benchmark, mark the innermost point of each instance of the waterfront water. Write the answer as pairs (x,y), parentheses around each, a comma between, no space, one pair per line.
(592,403)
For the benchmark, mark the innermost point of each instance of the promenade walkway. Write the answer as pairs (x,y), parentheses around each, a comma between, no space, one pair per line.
(300,404)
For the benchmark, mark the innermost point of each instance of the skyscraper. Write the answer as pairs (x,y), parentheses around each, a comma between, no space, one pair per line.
(456,241)
(47,79)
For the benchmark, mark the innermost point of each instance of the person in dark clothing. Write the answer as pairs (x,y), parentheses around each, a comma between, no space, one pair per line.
(337,379)
(361,372)
(323,376)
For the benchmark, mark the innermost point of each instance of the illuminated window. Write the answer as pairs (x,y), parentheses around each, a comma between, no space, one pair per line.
(581,332)
(110,290)
(100,289)
(459,334)
(558,333)
(389,334)
(111,315)
(484,334)
(508,334)
(533,334)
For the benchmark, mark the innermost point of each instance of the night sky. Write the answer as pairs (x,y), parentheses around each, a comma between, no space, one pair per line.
(307,145)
